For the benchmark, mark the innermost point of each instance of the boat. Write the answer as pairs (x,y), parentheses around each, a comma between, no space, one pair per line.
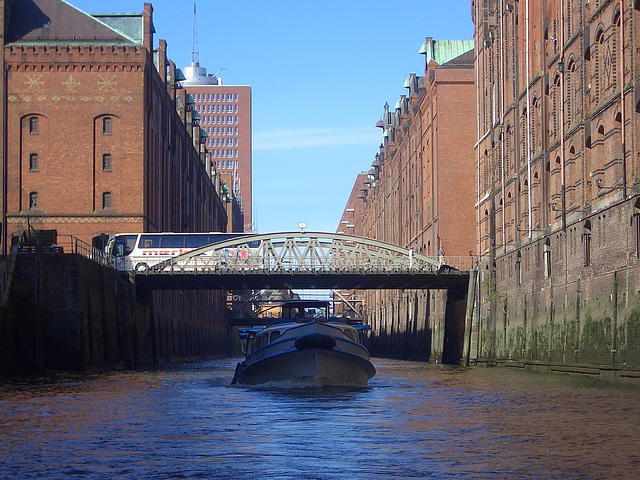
(305,347)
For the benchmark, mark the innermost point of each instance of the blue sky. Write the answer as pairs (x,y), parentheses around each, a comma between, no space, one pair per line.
(320,72)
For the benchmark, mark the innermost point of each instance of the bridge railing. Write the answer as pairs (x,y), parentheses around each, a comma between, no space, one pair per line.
(464,263)
(72,244)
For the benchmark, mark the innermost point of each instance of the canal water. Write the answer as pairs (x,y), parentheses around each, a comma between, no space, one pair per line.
(414,421)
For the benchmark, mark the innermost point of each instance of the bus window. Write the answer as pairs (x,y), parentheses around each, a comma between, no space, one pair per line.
(196,241)
(172,241)
(220,237)
(149,241)
(124,245)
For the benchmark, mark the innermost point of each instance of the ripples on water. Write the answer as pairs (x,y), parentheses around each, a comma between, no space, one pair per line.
(414,421)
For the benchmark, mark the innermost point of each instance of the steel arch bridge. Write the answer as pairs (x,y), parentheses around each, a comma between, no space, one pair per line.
(302,261)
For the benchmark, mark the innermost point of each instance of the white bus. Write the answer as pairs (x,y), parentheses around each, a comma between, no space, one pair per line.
(139,251)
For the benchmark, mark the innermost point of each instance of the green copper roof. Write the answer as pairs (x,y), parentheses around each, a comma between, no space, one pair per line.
(443,51)
(179,75)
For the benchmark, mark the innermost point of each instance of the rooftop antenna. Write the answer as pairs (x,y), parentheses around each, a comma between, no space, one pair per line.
(195,55)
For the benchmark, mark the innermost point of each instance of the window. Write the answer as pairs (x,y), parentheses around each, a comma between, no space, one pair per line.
(33,200)
(106,162)
(106,126)
(33,125)
(547,259)
(586,238)
(106,200)
(33,162)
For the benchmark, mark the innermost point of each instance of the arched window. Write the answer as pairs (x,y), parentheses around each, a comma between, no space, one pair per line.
(569,79)
(507,150)
(598,70)
(536,138)
(600,151)
(555,107)
(615,32)
(569,18)
(523,138)
(106,200)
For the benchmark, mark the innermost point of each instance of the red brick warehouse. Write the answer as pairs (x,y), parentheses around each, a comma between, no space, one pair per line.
(94,141)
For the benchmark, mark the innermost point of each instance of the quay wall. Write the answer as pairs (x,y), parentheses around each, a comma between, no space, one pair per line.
(423,325)
(583,322)
(65,312)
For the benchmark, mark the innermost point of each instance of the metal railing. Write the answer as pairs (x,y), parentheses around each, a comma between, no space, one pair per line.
(72,244)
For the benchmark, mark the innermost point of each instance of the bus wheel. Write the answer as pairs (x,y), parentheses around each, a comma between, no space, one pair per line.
(142,267)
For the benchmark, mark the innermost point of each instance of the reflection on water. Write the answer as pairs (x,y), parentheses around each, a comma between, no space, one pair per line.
(414,421)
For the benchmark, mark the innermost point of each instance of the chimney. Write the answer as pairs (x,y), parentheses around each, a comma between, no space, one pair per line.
(147,21)
(162,60)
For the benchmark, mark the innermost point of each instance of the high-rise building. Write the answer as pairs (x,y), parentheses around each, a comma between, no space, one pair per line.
(225,116)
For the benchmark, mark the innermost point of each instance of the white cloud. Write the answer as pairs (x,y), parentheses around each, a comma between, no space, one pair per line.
(315,137)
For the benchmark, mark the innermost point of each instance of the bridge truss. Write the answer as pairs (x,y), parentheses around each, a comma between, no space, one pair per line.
(303,260)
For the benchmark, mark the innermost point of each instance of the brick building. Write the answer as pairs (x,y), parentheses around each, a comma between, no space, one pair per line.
(352,221)
(558,165)
(99,139)
(95,135)
(419,195)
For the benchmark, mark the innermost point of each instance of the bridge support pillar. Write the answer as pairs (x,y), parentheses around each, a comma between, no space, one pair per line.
(471,296)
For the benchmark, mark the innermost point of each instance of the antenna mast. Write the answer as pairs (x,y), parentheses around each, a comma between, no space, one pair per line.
(195,55)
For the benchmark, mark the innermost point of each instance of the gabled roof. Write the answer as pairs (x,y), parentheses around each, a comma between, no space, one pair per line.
(57,22)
